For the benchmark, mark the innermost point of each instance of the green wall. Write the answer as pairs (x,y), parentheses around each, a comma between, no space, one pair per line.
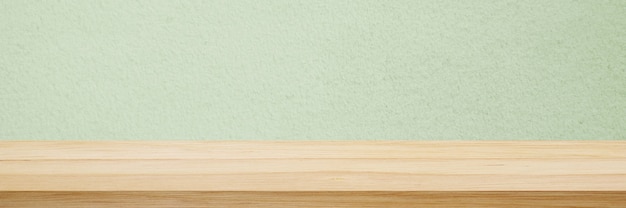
(312,69)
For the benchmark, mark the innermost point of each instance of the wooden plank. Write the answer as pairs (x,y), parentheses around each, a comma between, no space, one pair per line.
(316,181)
(97,150)
(322,166)
(313,199)
(296,166)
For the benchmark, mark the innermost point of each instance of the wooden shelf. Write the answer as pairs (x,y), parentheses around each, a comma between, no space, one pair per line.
(313,173)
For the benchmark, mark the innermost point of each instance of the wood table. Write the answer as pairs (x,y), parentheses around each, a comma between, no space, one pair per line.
(313,174)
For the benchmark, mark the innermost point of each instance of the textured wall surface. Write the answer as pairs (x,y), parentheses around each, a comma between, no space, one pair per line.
(312,69)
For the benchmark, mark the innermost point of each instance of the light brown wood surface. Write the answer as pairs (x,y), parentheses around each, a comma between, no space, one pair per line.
(313,199)
(489,172)
(313,166)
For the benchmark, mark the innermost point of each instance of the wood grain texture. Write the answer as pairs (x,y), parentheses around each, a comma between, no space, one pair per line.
(312,166)
(100,150)
(313,174)
(313,199)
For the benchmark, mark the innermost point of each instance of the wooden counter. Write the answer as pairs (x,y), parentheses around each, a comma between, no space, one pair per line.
(313,174)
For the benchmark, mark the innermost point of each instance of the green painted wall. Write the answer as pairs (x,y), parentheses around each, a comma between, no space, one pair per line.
(312,69)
